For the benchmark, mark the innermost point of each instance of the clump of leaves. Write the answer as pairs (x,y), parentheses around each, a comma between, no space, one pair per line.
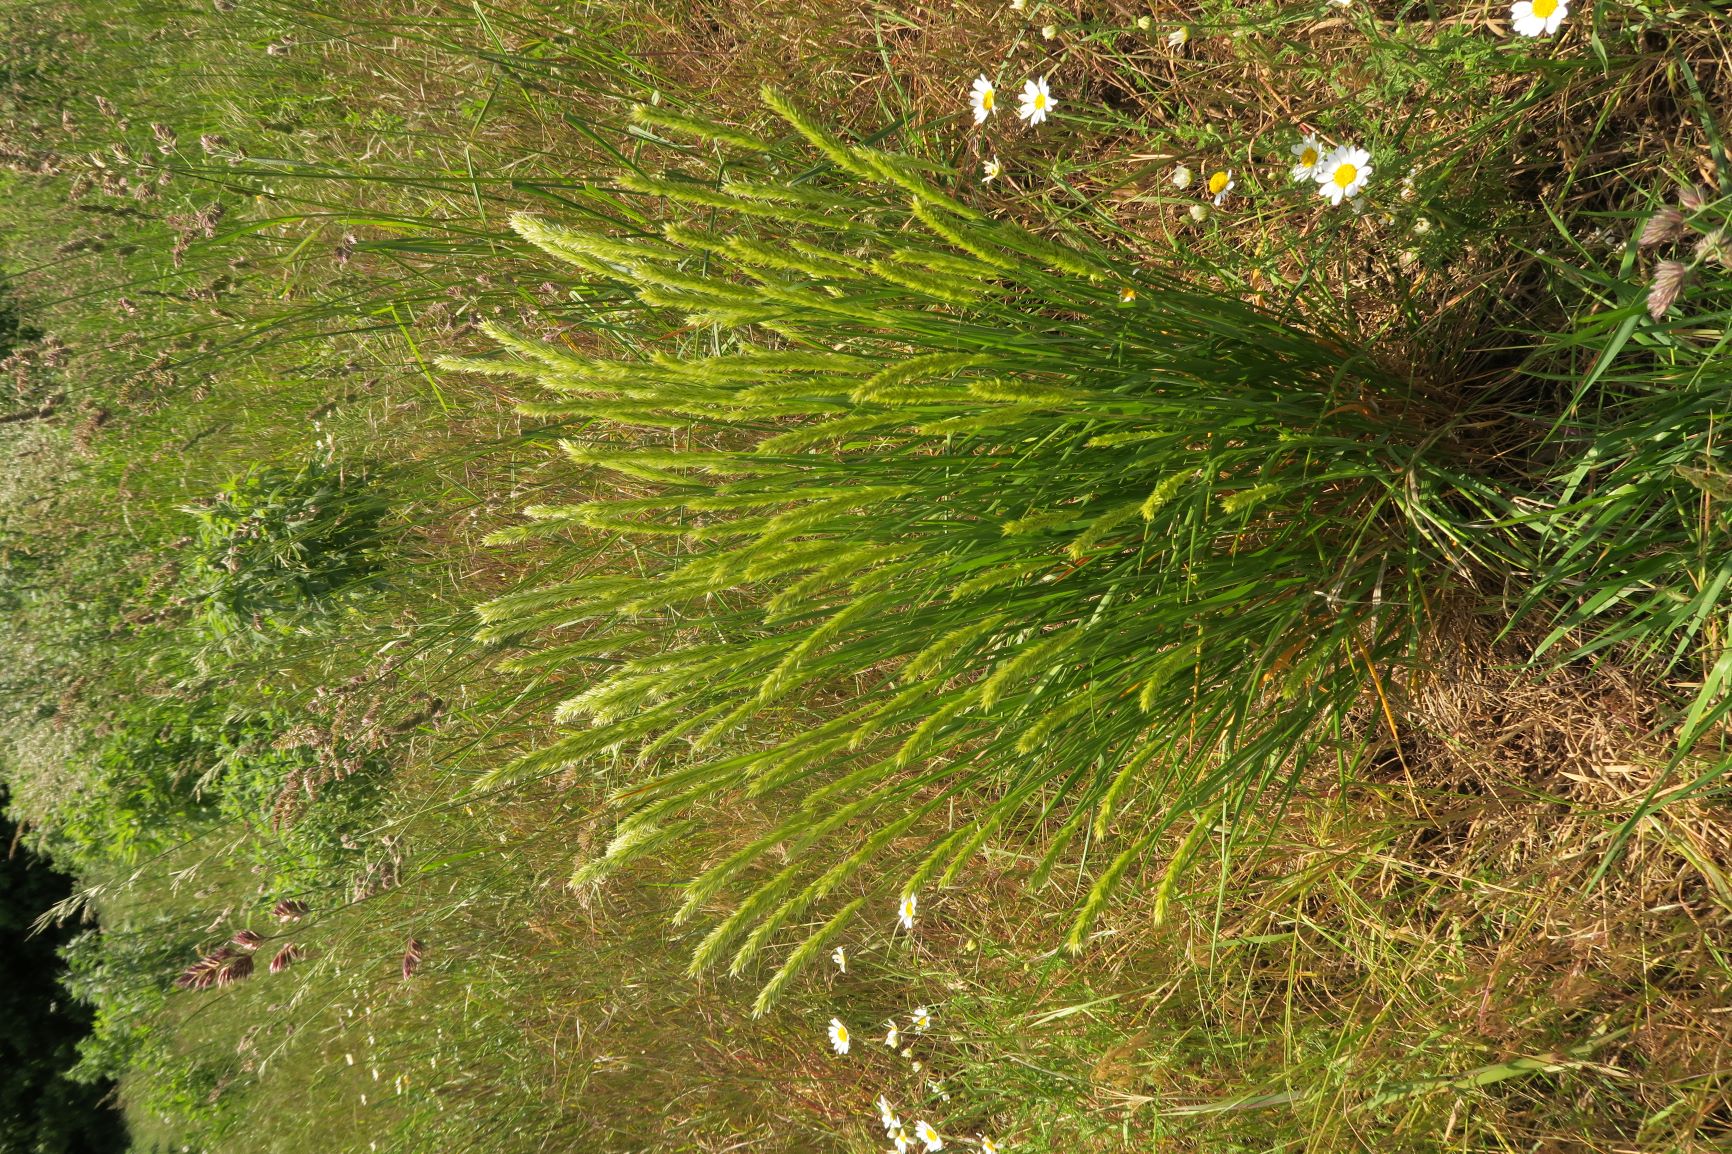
(274,542)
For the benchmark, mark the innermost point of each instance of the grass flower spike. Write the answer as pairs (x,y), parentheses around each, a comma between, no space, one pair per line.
(1538,17)
(1220,184)
(981,98)
(838,1036)
(1308,154)
(1343,174)
(905,911)
(923,1130)
(840,957)
(1036,102)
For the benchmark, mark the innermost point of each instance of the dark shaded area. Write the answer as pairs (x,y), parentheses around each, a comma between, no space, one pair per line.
(41,1112)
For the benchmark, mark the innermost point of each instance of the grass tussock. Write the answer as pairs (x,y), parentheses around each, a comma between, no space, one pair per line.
(452,452)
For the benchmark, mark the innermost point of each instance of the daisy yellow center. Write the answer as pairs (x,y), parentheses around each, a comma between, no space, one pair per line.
(841,1033)
(1345,174)
(1308,158)
(986,99)
(1040,101)
(1544,8)
(1218,182)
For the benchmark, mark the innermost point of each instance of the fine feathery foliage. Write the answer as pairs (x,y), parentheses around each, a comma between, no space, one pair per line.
(1055,538)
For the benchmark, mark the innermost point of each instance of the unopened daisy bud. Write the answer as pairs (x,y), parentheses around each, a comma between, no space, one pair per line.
(1048,31)
(1143,23)
(838,1036)
(1663,227)
(1669,277)
(1182,177)
(1199,213)
(1422,226)
(1178,37)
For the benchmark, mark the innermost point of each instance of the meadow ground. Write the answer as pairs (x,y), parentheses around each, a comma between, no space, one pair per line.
(529,532)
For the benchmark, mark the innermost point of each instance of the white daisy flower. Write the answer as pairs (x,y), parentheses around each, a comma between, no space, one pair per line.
(1182,177)
(1036,102)
(905,911)
(893,1035)
(902,1140)
(1340,3)
(840,957)
(1048,31)
(921,1020)
(888,1116)
(991,169)
(838,1036)
(1178,37)
(1018,5)
(1538,17)
(1308,153)
(923,1130)
(1343,174)
(1220,184)
(982,97)
(987,1145)
(1127,295)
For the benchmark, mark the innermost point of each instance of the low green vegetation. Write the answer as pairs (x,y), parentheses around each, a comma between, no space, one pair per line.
(665,577)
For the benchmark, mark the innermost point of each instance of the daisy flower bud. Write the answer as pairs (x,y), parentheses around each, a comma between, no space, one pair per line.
(838,1036)
(1048,31)
(1199,213)
(1143,23)
(1182,177)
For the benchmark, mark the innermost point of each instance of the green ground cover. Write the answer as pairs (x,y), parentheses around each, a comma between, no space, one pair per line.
(529,533)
